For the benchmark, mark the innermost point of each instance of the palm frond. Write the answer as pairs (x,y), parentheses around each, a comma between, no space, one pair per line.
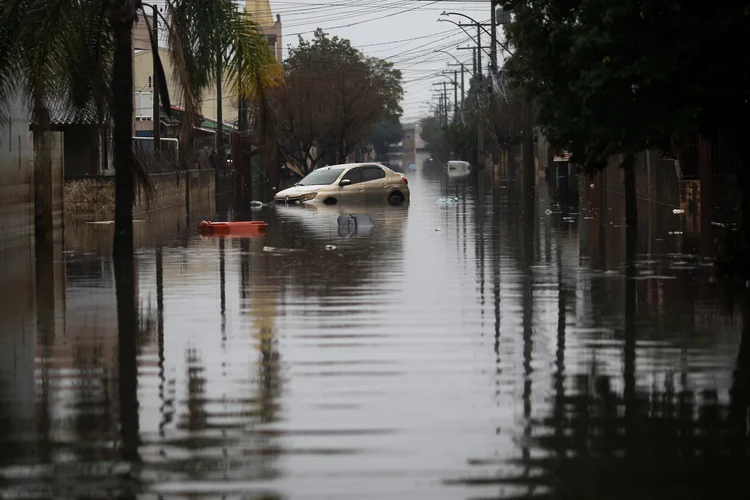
(251,66)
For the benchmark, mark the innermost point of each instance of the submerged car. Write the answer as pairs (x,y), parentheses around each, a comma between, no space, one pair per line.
(354,182)
(458,168)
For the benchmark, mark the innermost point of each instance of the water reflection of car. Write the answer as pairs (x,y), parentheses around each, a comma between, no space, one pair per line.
(321,221)
(354,182)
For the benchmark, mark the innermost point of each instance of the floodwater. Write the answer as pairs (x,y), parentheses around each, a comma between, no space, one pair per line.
(487,348)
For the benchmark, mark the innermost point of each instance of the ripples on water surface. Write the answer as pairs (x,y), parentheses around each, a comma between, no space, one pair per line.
(484,349)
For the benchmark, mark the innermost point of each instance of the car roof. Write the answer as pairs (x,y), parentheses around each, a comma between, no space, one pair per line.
(348,166)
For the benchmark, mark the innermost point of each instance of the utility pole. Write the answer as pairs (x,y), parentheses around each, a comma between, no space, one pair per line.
(220,156)
(455,95)
(242,115)
(157,110)
(493,37)
(474,53)
(445,97)
(463,71)
(479,49)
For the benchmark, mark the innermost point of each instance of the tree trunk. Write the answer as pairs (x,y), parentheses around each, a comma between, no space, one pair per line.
(631,201)
(743,181)
(529,173)
(122,16)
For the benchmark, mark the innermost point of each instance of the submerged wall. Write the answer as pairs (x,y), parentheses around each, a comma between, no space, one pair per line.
(93,198)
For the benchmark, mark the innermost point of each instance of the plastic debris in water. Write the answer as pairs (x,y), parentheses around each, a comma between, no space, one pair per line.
(675,232)
(678,211)
(413,167)
(257,204)
(548,212)
(448,199)
(591,186)
(437,229)
(331,247)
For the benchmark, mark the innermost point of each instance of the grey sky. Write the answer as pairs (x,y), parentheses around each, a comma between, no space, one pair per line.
(405,32)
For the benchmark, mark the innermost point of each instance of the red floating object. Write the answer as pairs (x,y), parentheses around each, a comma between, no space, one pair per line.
(241,229)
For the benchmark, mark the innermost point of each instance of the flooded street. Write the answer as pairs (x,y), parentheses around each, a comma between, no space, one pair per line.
(484,348)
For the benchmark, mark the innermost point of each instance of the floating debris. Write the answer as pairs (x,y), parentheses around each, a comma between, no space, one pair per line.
(331,247)
(675,232)
(282,250)
(437,229)
(678,211)
(548,212)
(447,200)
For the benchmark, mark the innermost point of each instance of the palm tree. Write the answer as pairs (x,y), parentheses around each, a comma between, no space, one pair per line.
(80,53)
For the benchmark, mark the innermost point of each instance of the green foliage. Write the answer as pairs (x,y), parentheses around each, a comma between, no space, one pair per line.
(61,51)
(334,97)
(617,76)
(434,136)
(385,133)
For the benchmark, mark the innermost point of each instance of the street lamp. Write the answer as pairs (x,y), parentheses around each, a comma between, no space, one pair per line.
(473,38)
(479,35)
(463,70)
(504,19)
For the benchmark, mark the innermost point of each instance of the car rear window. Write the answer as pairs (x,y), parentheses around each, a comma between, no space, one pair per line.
(372,174)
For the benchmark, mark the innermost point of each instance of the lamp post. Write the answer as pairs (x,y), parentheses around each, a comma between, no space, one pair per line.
(480,27)
(463,70)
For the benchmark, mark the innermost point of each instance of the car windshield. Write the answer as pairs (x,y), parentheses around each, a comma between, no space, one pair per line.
(321,177)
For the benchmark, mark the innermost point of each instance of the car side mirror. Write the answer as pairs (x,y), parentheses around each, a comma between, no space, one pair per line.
(345,182)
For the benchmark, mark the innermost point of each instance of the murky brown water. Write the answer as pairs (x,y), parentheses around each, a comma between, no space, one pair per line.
(482,349)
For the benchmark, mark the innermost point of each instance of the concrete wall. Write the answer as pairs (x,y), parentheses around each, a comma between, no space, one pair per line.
(170,190)
(17,336)
(16,179)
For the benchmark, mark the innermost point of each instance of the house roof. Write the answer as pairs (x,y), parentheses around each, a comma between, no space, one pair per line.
(62,113)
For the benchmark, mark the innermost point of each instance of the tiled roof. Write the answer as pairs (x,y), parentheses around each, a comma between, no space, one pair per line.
(62,113)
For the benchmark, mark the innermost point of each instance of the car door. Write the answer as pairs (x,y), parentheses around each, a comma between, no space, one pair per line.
(375,183)
(354,191)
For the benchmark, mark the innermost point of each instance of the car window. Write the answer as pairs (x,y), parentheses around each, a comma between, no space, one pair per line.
(321,177)
(354,175)
(372,174)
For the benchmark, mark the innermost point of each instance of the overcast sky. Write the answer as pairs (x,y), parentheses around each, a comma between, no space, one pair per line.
(406,32)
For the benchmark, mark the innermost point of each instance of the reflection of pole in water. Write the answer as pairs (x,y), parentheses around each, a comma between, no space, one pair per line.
(559,415)
(160,336)
(528,313)
(223,292)
(630,335)
(264,311)
(127,322)
(244,268)
(740,391)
